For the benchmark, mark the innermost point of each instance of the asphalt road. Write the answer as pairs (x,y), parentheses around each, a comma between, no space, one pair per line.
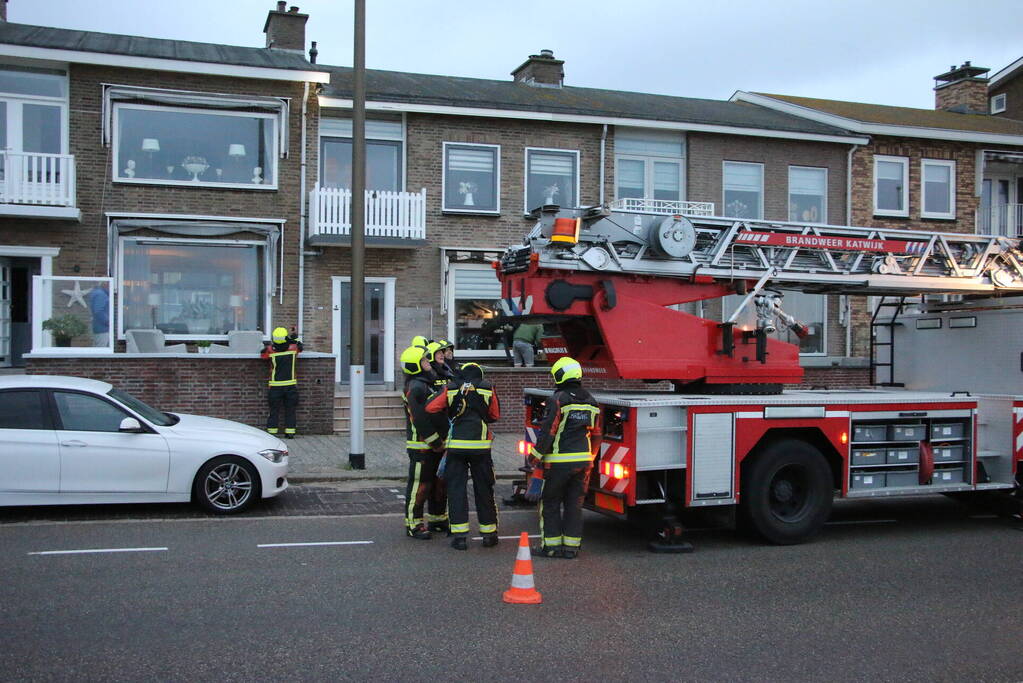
(895,590)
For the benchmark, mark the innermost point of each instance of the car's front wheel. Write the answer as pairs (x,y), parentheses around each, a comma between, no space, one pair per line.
(226,485)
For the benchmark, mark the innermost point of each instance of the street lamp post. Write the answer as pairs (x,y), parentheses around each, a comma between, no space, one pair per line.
(357,372)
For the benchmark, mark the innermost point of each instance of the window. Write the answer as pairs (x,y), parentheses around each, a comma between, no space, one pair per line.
(648,165)
(33,118)
(142,408)
(891,186)
(937,180)
(998,103)
(809,309)
(384,154)
(23,409)
(84,413)
(193,289)
(179,146)
(743,189)
(808,194)
(552,177)
(474,294)
(472,175)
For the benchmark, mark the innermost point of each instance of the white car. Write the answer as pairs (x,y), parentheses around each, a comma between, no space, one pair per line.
(68,440)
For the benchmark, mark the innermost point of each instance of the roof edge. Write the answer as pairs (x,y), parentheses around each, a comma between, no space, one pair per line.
(1004,72)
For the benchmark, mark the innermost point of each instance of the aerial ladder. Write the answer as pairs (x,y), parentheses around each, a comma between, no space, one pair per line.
(613,280)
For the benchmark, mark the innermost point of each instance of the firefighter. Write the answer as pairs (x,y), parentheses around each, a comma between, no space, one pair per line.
(447,357)
(282,353)
(564,451)
(472,406)
(419,340)
(437,503)
(422,440)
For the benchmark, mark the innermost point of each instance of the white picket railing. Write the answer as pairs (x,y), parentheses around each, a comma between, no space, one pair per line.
(1001,219)
(663,206)
(32,178)
(399,215)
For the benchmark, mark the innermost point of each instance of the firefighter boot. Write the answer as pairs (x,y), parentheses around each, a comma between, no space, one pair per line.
(419,532)
(440,527)
(570,553)
(545,551)
(489,540)
(459,543)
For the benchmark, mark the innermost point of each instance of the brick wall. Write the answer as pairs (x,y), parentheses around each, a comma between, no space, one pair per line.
(970,93)
(229,388)
(1013,89)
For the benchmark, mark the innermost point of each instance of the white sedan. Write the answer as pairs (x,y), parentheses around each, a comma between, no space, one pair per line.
(68,440)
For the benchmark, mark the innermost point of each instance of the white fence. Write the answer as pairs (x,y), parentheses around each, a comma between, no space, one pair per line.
(44,179)
(400,215)
(664,206)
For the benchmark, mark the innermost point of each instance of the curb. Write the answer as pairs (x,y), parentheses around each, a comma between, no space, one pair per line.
(369,476)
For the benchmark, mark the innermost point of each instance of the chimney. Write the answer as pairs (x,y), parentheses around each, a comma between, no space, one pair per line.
(313,52)
(962,90)
(3,10)
(285,29)
(541,71)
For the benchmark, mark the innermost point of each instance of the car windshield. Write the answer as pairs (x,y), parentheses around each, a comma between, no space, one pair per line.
(144,409)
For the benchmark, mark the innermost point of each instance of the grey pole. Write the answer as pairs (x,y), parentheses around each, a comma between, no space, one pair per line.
(357,372)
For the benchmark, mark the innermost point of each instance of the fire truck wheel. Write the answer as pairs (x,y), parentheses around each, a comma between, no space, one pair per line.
(787,492)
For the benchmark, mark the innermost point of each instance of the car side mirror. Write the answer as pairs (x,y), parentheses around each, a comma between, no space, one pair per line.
(130,425)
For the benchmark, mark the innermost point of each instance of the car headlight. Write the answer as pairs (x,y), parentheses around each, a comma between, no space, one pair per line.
(274,455)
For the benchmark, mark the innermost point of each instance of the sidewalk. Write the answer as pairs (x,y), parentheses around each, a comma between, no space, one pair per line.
(325,458)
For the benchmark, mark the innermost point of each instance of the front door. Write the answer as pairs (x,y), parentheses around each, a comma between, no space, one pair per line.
(375,307)
(5,312)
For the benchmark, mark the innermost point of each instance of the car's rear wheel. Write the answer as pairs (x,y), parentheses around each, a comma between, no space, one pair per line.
(226,485)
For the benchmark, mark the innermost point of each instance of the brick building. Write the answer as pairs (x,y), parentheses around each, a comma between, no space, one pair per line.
(1005,92)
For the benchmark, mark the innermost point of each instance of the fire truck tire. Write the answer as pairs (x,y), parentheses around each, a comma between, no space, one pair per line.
(787,492)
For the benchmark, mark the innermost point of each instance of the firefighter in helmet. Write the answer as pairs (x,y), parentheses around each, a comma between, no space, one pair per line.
(282,353)
(419,340)
(437,504)
(564,450)
(424,443)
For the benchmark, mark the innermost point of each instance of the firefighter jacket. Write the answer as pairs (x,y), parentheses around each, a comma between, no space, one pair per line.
(421,432)
(572,417)
(470,412)
(283,359)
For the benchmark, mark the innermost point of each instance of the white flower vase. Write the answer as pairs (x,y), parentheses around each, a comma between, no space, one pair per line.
(549,200)
(468,200)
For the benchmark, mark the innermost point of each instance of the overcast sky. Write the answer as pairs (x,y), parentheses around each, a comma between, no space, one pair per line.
(883,51)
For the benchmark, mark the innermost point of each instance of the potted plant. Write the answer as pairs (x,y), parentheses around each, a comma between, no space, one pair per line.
(64,328)
(203,345)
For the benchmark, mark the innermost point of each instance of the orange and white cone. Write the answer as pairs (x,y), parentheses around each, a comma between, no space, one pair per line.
(523,591)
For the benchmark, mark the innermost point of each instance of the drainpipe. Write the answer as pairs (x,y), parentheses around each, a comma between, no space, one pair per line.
(301,214)
(847,301)
(603,153)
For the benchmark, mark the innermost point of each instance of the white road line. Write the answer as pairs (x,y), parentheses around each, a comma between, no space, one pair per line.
(97,550)
(393,490)
(480,538)
(295,545)
(861,521)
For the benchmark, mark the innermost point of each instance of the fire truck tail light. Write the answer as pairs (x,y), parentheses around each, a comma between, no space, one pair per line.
(615,470)
(844,438)
(619,471)
(523,447)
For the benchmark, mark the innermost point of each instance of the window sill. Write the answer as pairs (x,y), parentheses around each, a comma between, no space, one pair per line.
(469,212)
(936,217)
(885,214)
(199,185)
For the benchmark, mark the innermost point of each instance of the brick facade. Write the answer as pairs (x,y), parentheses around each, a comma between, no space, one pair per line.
(1012,86)
(966,95)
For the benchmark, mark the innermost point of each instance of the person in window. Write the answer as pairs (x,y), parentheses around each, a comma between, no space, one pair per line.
(99,307)
(525,342)
(282,353)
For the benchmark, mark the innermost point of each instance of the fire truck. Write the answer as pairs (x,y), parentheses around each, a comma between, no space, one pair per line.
(621,287)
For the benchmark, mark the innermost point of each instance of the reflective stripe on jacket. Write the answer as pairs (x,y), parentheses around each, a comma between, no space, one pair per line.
(420,433)
(572,417)
(470,413)
(283,361)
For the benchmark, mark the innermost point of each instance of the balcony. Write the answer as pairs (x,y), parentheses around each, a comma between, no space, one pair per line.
(393,219)
(1001,219)
(36,185)
(663,206)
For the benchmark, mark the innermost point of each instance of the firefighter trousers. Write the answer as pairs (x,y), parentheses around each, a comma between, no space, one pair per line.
(282,397)
(561,504)
(424,489)
(460,465)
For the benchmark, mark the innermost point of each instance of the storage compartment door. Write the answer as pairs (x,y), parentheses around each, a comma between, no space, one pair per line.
(713,462)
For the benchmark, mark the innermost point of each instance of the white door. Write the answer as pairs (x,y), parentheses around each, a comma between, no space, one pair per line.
(29,459)
(96,457)
(5,312)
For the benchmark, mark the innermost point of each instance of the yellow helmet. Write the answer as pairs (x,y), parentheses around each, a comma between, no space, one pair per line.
(280,335)
(565,369)
(445,344)
(431,349)
(419,340)
(411,358)
(472,372)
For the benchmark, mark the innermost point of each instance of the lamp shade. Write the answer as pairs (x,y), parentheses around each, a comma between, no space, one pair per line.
(154,299)
(236,301)
(150,145)
(235,150)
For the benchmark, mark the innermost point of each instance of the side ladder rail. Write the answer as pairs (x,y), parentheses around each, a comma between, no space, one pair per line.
(882,338)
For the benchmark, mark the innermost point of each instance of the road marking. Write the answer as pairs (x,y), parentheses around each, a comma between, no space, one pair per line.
(394,490)
(295,545)
(480,538)
(97,550)
(862,521)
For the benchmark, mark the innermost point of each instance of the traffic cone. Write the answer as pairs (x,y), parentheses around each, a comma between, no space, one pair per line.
(523,591)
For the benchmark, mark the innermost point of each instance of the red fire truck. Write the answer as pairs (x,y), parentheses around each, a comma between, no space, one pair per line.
(618,285)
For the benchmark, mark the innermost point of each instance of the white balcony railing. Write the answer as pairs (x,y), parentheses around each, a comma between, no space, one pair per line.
(41,179)
(663,206)
(398,215)
(1002,219)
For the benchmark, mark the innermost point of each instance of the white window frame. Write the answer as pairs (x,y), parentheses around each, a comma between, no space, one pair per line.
(648,173)
(951,213)
(998,103)
(267,279)
(525,173)
(266,185)
(724,206)
(465,353)
(15,118)
(824,205)
(444,179)
(904,212)
(329,135)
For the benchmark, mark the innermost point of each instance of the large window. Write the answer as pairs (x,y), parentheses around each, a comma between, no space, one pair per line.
(743,185)
(809,309)
(33,118)
(648,165)
(180,146)
(192,289)
(808,194)
(552,177)
(891,186)
(472,176)
(384,156)
(938,182)
(474,294)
